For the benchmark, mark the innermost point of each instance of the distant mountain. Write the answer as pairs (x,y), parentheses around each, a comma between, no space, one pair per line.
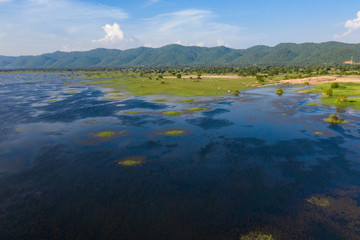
(177,55)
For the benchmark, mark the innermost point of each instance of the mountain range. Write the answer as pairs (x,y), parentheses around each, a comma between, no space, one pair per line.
(177,55)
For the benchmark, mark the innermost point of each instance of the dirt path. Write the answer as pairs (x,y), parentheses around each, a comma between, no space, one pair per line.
(321,80)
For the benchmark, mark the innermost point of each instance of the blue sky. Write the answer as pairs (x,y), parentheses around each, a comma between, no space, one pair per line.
(32,27)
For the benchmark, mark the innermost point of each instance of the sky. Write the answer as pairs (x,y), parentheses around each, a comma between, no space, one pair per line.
(33,27)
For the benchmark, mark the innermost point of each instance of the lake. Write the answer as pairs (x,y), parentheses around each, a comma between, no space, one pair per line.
(73,166)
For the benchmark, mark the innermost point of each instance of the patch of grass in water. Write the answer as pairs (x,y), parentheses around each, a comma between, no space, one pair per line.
(132,112)
(319,133)
(51,100)
(113,91)
(104,134)
(335,119)
(174,132)
(319,201)
(313,104)
(337,98)
(172,113)
(187,100)
(159,100)
(196,109)
(131,162)
(257,236)
(243,99)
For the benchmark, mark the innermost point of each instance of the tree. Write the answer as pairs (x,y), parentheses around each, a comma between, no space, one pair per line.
(178,76)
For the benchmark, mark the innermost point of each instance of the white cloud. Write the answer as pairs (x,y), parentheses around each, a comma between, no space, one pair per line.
(191,27)
(113,33)
(40,26)
(351,25)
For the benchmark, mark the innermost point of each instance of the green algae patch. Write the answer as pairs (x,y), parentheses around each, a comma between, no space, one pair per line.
(132,112)
(51,100)
(196,109)
(107,135)
(172,113)
(335,119)
(187,100)
(243,99)
(159,100)
(174,132)
(104,134)
(318,133)
(319,201)
(131,161)
(257,236)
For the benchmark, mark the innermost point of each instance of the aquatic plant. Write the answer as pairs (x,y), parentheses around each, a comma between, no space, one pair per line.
(187,100)
(104,134)
(131,161)
(244,99)
(133,112)
(196,109)
(279,91)
(256,236)
(51,100)
(174,132)
(306,84)
(319,201)
(335,119)
(159,100)
(319,133)
(236,92)
(172,113)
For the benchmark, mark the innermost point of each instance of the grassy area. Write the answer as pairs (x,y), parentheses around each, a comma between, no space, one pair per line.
(175,132)
(172,113)
(180,87)
(346,95)
(197,109)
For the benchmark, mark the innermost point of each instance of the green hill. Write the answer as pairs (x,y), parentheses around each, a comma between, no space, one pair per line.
(177,55)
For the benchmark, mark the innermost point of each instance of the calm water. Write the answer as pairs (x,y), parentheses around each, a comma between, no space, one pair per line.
(241,166)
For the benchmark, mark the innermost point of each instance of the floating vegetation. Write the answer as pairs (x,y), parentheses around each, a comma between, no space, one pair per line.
(51,100)
(131,161)
(187,100)
(256,236)
(174,132)
(72,90)
(319,133)
(196,109)
(313,104)
(159,100)
(173,113)
(90,122)
(335,119)
(319,201)
(113,91)
(243,99)
(133,112)
(104,134)
(220,97)
(279,91)
(236,92)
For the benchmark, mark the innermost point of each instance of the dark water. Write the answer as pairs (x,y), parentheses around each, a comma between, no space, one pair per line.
(241,166)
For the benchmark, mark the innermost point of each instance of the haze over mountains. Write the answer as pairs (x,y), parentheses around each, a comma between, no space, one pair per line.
(177,55)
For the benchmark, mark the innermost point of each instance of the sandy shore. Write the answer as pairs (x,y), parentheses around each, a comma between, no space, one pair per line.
(207,76)
(324,79)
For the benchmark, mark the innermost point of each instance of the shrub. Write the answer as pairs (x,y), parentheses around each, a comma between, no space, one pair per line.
(341,99)
(328,92)
(334,85)
(279,91)
(306,83)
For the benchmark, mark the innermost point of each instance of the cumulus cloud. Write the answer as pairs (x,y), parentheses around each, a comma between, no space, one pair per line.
(351,25)
(113,33)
